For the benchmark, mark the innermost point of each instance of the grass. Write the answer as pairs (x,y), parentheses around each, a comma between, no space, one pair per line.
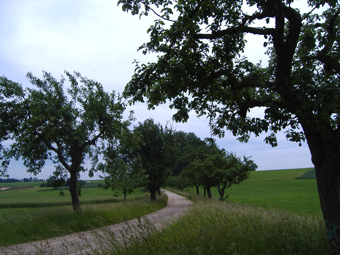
(42,197)
(270,213)
(214,227)
(276,189)
(20,225)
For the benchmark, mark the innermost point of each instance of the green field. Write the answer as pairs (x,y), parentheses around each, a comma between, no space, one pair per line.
(276,189)
(37,213)
(34,213)
(38,197)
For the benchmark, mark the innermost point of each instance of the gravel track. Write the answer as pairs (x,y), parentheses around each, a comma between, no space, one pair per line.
(91,242)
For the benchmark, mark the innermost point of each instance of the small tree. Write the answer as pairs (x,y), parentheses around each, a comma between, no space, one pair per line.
(230,170)
(123,176)
(44,123)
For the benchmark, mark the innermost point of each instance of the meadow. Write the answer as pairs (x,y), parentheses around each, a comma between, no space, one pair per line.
(33,214)
(278,189)
(270,213)
(215,227)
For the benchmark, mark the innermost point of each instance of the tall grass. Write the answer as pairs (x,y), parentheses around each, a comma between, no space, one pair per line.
(20,225)
(214,227)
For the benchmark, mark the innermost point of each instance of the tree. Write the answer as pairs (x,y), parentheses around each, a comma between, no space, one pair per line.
(11,112)
(201,168)
(200,68)
(123,177)
(48,124)
(123,165)
(230,170)
(156,151)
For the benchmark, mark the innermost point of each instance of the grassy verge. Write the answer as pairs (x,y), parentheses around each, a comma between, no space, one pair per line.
(20,225)
(214,227)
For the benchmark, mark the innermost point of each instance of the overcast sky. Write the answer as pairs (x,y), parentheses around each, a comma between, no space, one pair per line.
(99,40)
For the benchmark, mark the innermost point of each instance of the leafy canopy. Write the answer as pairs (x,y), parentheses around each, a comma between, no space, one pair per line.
(200,66)
(47,122)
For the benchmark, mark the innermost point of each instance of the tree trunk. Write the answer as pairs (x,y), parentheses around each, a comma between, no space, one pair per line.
(153,194)
(74,192)
(326,159)
(125,193)
(209,192)
(205,191)
(328,181)
(220,192)
(153,190)
(159,191)
(197,190)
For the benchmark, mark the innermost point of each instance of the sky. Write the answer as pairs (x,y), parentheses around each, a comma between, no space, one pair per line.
(99,40)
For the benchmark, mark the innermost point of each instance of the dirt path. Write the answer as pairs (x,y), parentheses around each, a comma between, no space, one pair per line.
(88,242)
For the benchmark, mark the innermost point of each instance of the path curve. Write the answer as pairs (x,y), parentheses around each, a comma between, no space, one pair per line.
(84,242)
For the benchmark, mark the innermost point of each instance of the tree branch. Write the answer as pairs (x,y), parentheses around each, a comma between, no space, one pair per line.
(331,33)
(91,142)
(329,61)
(234,30)
(60,156)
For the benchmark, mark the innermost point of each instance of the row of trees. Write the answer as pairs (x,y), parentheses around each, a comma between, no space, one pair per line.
(209,166)
(154,156)
(45,123)
(31,179)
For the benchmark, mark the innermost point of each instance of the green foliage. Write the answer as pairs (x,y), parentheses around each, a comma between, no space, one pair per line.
(123,165)
(211,166)
(200,68)
(156,150)
(63,127)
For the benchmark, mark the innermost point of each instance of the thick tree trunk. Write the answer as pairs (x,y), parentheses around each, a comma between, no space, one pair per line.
(326,159)
(159,191)
(328,181)
(74,192)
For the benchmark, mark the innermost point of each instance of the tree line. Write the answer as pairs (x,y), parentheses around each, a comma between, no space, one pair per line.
(68,126)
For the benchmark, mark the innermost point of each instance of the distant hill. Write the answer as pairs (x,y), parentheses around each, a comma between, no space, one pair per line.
(282,174)
(307,175)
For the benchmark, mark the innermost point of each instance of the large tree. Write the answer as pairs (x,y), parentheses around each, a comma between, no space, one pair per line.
(45,123)
(200,68)
(156,150)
